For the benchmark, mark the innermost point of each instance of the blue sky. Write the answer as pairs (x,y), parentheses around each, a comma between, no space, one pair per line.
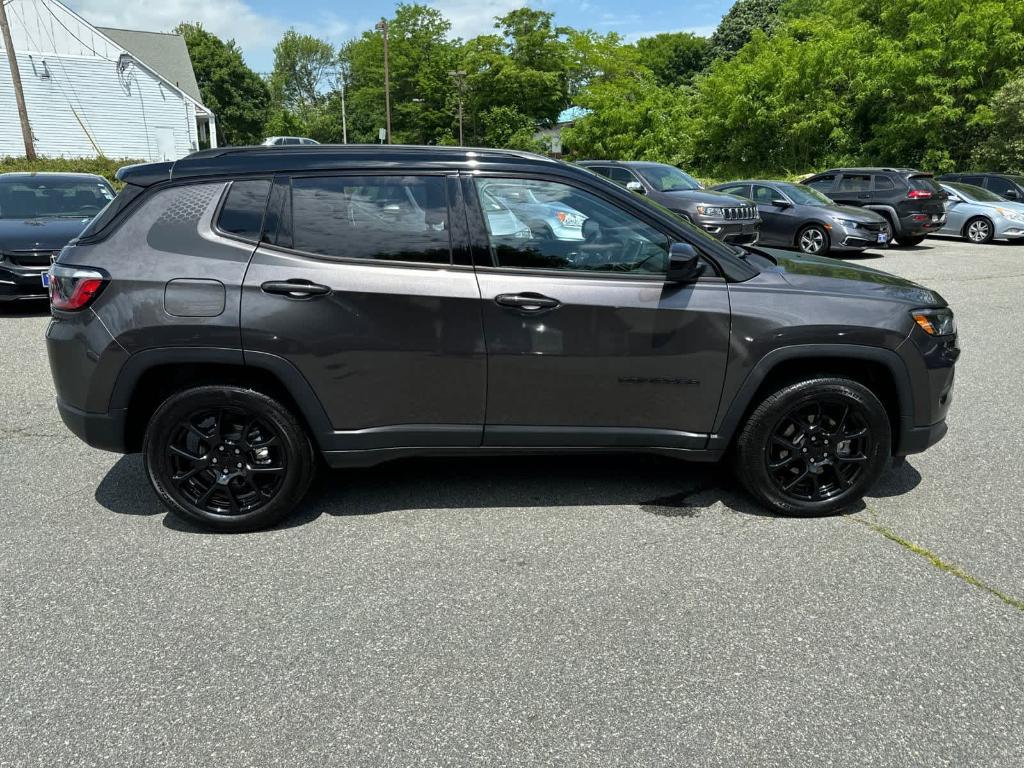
(257,24)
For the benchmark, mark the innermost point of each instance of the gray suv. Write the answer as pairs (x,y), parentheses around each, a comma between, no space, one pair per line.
(730,218)
(241,312)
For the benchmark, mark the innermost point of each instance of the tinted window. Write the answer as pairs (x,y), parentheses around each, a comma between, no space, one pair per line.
(824,183)
(667,178)
(242,212)
(124,198)
(593,236)
(924,184)
(50,197)
(765,195)
(883,184)
(621,176)
(855,182)
(393,218)
(1001,186)
(743,190)
(601,169)
(978,181)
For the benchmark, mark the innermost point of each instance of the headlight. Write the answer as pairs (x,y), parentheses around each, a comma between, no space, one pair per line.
(1012,215)
(848,223)
(935,322)
(711,210)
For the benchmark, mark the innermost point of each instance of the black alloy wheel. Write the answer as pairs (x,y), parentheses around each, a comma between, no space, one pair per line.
(814,447)
(227,458)
(226,461)
(819,449)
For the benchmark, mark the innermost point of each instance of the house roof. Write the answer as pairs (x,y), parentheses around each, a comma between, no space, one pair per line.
(164,52)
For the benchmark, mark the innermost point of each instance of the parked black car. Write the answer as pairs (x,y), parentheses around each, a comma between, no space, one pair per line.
(39,214)
(1006,185)
(910,201)
(797,216)
(727,217)
(240,310)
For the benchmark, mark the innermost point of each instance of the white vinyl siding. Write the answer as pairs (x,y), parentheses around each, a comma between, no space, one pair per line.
(79,103)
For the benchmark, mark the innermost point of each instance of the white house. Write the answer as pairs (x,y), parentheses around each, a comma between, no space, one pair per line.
(91,92)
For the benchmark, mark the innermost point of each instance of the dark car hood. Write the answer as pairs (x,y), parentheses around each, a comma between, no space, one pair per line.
(39,234)
(707,196)
(813,273)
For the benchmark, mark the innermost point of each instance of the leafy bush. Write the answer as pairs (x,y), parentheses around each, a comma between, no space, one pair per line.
(101,166)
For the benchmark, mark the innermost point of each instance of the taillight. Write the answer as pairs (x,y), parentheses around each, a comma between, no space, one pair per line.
(919,194)
(74,288)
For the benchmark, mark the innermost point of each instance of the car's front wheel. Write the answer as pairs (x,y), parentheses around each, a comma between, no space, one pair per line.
(227,458)
(813,240)
(979,230)
(814,447)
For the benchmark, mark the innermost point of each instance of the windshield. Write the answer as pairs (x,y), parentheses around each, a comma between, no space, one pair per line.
(802,195)
(974,194)
(665,178)
(37,197)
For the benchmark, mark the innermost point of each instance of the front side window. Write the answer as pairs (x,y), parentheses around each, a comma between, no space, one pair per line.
(569,229)
(1000,186)
(384,218)
(765,195)
(242,212)
(621,176)
(822,183)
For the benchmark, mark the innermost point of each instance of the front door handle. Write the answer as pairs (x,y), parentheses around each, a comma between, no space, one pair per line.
(527,302)
(295,289)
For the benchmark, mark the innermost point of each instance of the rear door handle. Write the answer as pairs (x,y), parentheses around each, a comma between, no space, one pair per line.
(295,289)
(865,196)
(527,302)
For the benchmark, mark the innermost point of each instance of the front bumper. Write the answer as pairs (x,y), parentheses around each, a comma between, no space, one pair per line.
(846,238)
(920,439)
(740,232)
(20,283)
(1008,229)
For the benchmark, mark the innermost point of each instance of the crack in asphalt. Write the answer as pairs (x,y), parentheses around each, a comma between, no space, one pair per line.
(938,562)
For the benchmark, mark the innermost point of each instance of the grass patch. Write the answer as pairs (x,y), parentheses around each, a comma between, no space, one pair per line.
(101,166)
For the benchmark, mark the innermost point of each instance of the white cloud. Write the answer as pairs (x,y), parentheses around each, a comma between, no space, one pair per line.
(708,31)
(256,33)
(470,18)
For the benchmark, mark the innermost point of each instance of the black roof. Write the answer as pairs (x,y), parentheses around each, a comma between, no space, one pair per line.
(873,169)
(232,161)
(627,163)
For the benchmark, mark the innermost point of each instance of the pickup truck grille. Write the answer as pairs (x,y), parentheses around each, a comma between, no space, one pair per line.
(743,213)
(30,258)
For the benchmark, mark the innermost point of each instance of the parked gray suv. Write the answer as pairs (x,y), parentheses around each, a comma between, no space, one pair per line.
(239,312)
(730,218)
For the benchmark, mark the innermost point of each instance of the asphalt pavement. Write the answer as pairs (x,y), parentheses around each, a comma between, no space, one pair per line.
(539,611)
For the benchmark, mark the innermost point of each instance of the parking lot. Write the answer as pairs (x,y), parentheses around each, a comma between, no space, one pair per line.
(531,611)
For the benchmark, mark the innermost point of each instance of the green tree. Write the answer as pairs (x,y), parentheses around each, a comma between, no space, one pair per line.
(1003,120)
(674,57)
(739,23)
(237,95)
(303,67)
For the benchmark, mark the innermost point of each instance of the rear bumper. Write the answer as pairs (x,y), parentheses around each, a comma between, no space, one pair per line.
(105,431)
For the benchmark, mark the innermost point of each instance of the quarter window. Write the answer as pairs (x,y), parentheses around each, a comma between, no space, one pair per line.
(547,225)
(883,184)
(387,218)
(242,212)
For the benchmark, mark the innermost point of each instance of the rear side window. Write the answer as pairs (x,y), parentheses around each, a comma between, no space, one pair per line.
(855,182)
(385,218)
(978,181)
(822,183)
(242,212)
(883,184)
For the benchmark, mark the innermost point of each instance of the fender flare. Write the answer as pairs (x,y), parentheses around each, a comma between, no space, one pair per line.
(287,374)
(729,420)
(889,213)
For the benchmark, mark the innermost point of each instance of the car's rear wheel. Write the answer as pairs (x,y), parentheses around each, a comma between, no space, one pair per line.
(227,458)
(814,447)
(979,230)
(908,241)
(813,240)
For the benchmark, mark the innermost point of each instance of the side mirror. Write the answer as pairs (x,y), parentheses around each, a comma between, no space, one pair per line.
(780,203)
(1012,194)
(684,264)
(636,186)
(953,199)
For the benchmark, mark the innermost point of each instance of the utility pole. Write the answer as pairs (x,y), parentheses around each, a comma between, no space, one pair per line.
(382,26)
(19,95)
(460,80)
(344,120)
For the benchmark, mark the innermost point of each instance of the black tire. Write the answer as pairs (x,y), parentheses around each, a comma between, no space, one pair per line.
(909,242)
(807,436)
(813,240)
(979,230)
(227,458)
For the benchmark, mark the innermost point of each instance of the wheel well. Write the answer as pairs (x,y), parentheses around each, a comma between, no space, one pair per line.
(160,382)
(873,375)
(963,231)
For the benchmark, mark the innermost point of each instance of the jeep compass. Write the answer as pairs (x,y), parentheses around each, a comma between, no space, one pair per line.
(240,313)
